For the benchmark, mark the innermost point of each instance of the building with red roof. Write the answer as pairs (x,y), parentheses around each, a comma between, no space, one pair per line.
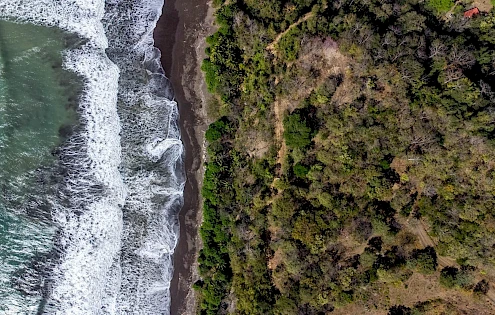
(471,13)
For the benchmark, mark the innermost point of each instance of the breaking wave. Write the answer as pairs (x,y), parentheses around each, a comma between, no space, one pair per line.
(116,209)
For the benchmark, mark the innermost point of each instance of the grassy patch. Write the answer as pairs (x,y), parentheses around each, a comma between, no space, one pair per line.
(440,6)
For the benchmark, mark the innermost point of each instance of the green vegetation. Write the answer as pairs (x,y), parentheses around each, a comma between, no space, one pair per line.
(214,257)
(452,277)
(297,133)
(424,260)
(440,6)
(347,148)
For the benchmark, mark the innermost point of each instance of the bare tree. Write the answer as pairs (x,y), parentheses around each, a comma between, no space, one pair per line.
(397,53)
(396,29)
(389,39)
(486,90)
(452,74)
(365,36)
(421,48)
(493,67)
(437,48)
(338,4)
(357,27)
(461,57)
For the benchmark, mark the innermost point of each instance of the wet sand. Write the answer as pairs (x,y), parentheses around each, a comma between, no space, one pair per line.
(180,35)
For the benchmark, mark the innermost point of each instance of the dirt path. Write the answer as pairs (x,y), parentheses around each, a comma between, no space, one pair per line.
(271,47)
(448,15)
(279,108)
(419,229)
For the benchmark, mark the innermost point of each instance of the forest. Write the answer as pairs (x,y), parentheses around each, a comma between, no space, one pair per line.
(351,158)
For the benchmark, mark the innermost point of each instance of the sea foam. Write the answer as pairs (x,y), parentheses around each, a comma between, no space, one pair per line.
(117,208)
(152,155)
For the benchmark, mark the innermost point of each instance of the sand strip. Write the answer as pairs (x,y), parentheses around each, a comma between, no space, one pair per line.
(180,35)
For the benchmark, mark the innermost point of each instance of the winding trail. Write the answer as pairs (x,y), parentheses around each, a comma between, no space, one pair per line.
(420,230)
(271,47)
(449,13)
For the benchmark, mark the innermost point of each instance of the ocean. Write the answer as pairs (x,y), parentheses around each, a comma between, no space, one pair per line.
(91,161)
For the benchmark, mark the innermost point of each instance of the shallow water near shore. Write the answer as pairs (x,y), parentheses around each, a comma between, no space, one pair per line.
(34,105)
(33,111)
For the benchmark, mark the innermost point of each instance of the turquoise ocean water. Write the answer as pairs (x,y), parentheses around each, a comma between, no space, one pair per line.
(35,113)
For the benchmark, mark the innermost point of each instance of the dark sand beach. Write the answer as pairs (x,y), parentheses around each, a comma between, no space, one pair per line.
(180,35)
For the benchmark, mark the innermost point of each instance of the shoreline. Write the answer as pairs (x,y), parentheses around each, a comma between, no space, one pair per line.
(180,35)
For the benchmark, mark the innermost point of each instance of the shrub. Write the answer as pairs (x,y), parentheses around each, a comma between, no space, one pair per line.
(424,260)
(451,277)
(210,70)
(290,45)
(399,310)
(482,287)
(217,129)
(300,170)
(297,134)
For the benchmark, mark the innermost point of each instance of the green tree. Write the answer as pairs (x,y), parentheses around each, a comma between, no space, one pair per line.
(297,133)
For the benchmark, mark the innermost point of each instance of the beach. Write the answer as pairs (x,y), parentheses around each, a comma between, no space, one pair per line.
(180,35)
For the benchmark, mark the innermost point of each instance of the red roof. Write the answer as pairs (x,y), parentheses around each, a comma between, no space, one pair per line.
(470,13)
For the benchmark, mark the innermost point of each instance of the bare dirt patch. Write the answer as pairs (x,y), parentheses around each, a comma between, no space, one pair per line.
(326,55)
(352,246)
(257,144)
(483,5)
(420,288)
(399,165)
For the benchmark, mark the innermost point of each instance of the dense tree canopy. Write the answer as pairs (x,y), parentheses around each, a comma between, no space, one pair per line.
(353,152)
